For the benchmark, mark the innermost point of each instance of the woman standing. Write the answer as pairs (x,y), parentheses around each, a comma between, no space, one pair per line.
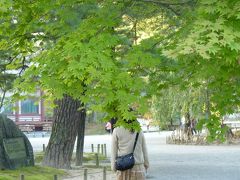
(122,144)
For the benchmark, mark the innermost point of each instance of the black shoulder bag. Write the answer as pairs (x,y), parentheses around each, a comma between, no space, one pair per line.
(127,161)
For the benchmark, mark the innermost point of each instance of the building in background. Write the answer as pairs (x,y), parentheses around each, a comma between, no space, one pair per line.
(29,114)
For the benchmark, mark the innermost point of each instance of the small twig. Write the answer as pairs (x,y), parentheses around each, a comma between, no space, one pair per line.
(23,66)
(167,3)
(2,99)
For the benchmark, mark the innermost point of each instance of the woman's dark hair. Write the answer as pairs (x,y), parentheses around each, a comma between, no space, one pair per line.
(113,121)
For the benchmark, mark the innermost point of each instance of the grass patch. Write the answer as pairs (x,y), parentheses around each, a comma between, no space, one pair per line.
(89,157)
(38,157)
(92,156)
(31,173)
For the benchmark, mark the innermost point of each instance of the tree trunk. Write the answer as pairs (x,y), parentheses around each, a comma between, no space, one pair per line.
(207,111)
(80,139)
(64,131)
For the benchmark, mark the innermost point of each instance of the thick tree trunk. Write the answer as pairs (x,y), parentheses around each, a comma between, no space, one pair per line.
(64,131)
(80,139)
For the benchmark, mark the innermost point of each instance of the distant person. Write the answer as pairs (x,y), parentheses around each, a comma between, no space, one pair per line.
(182,123)
(108,127)
(122,144)
(229,133)
(193,126)
(148,124)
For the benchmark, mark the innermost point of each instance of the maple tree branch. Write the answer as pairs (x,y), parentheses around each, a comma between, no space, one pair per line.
(168,5)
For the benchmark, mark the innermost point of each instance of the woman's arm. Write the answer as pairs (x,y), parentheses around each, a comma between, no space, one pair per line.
(145,153)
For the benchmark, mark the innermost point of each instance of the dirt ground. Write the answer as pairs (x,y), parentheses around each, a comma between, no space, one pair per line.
(171,162)
(92,174)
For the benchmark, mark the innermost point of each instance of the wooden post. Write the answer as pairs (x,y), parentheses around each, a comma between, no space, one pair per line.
(98,148)
(102,151)
(105,150)
(97,160)
(85,174)
(55,177)
(104,173)
(92,147)
(44,148)
(22,177)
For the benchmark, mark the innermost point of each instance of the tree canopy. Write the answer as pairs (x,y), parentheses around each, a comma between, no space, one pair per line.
(114,55)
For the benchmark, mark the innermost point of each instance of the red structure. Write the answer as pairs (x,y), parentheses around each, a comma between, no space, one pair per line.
(29,114)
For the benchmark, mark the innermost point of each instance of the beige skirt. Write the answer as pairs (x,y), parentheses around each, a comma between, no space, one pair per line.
(136,173)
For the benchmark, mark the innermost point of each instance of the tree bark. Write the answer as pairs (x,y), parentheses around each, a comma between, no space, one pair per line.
(64,131)
(80,139)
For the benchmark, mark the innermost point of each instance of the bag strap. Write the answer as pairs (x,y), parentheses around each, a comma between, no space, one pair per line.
(135,142)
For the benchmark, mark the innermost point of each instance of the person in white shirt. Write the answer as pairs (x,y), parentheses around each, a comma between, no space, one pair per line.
(108,127)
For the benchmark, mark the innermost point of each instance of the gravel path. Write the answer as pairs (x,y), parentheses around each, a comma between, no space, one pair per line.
(188,162)
(93,174)
(175,162)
